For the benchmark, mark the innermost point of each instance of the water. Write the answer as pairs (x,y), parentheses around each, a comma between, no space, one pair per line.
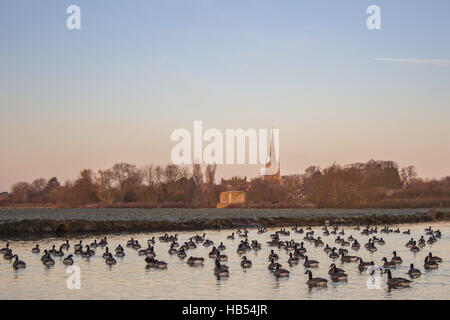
(130,280)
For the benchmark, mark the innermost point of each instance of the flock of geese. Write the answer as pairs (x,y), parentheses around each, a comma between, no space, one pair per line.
(295,252)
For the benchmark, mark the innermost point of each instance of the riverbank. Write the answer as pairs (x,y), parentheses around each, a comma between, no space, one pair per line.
(29,221)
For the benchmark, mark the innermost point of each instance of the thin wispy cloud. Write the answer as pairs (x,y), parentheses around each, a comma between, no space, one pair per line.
(432,62)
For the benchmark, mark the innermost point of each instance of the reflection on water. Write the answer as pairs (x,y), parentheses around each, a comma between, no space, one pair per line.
(130,280)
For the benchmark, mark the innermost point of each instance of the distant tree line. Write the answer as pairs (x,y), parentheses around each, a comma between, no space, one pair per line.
(370,184)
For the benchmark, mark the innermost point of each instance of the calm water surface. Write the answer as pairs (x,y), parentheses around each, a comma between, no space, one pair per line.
(130,280)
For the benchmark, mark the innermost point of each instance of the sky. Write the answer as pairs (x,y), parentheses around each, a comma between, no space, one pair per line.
(116,89)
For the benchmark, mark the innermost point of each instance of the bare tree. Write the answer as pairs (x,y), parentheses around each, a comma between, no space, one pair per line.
(22,192)
(121,172)
(39,185)
(197,174)
(210,175)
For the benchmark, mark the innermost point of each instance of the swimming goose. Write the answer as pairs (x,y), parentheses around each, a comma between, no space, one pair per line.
(103,242)
(414,248)
(181,253)
(413,273)
(273,256)
(106,253)
(272,266)
(388,264)
(280,273)
(18,264)
(110,260)
(292,260)
(327,249)
(5,250)
(255,245)
(333,254)
(220,270)
(334,269)
(94,244)
(338,276)
(310,263)
(363,265)
(221,246)
(222,257)
(66,245)
(172,250)
(428,264)
(208,243)
(396,282)
(355,245)
(396,258)
(151,241)
(345,258)
(36,249)
(130,242)
(381,242)
(245,263)
(68,261)
(315,282)
(136,245)
(8,255)
(47,260)
(231,237)
(434,258)
(78,246)
(407,231)
(195,261)
(302,249)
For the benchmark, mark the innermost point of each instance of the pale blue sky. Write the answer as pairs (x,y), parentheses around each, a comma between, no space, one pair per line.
(115,90)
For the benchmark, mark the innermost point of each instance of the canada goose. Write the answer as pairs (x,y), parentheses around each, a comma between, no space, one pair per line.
(68,261)
(120,253)
(8,255)
(255,245)
(396,258)
(222,257)
(52,250)
(130,242)
(334,269)
(292,260)
(181,254)
(273,256)
(410,243)
(143,252)
(407,231)
(434,258)
(381,242)
(106,253)
(363,265)
(110,260)
(310,263)
(355,245)
(36,249)
(333,254)
(413,273)
(388,264)
(231,237)
(18,264)
(344,243)
(280,273)
(345,258)
(172,250)
(315,282)
(221,246)
(350,238)
(396,282)
(195,261)
(272,266)
(342,251)
(5,249)
(94,244)
(338,276)
(208,243)
(414,248)
(428,264)
(327,249)
(302,249)
(245,263)
(58,253)
(151,241)
(220,270)
(65,245)
(47,260)
(136,245)
(158,264)
(103,242)
(78,246)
